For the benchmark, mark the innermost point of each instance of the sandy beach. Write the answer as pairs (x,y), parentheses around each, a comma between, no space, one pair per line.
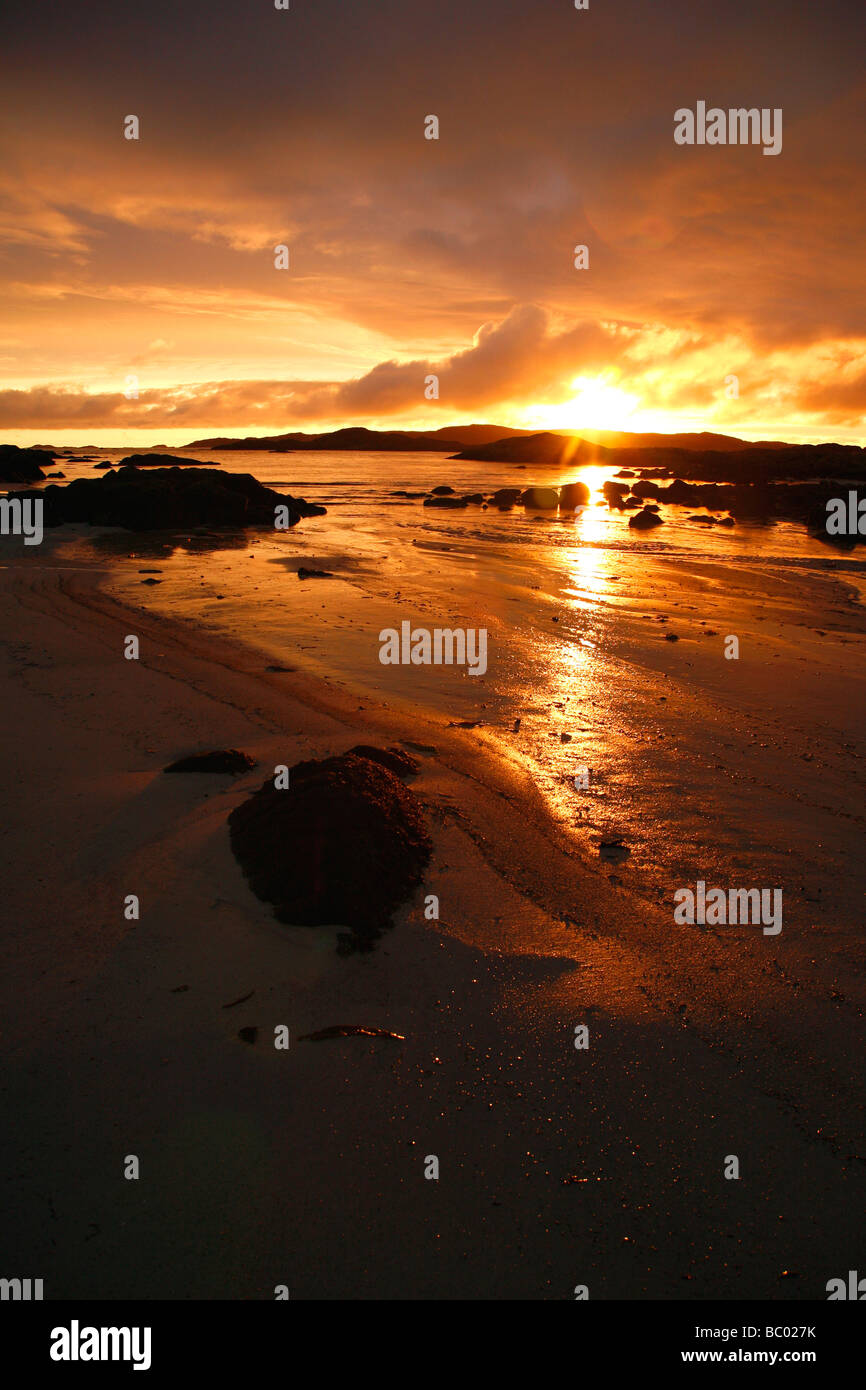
(260,1167)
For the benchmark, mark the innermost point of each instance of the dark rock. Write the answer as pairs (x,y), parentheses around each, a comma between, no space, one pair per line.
(160,461)
(543,498)
(453,502)
(220,760)
(442,491)
(614,493)
(170,498)
(573,495)
(304,573)
(474,498)
(678,492)
(505,496)
(151,581)
(22,465)
(645,489)
(400,763)
(345,843)
(55,475)
(644,520)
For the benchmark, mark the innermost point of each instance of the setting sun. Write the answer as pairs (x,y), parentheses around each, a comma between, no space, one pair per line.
(597,404)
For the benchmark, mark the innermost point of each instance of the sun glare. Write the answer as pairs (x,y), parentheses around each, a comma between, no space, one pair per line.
(597,404)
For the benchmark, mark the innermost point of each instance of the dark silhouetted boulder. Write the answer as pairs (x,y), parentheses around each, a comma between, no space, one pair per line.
(645,489)
(614,493)
(442,491)
(543,498)
(644,520)
(170,498)
(22,465)
(452,502)
(344,844)
(159,461)
(573,495)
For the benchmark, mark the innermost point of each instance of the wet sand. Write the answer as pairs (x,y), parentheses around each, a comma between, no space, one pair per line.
(260,1167)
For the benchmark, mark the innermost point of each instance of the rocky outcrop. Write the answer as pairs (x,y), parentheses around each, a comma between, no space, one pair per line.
(614,494)
(22,465)
(166,498)
(757,502)
(344,844)
(161,461)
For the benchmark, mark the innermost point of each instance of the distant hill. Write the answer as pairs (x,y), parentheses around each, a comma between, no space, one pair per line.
(704,441)
(467,437)
(740,463)
(479,434)
(352,438)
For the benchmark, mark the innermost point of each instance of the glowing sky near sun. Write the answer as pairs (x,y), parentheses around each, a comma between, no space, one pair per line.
(154,259)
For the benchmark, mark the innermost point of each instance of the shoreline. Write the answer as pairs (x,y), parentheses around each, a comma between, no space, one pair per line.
(313,1158)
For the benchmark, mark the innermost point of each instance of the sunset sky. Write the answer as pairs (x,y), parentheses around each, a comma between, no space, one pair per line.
(155,258)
